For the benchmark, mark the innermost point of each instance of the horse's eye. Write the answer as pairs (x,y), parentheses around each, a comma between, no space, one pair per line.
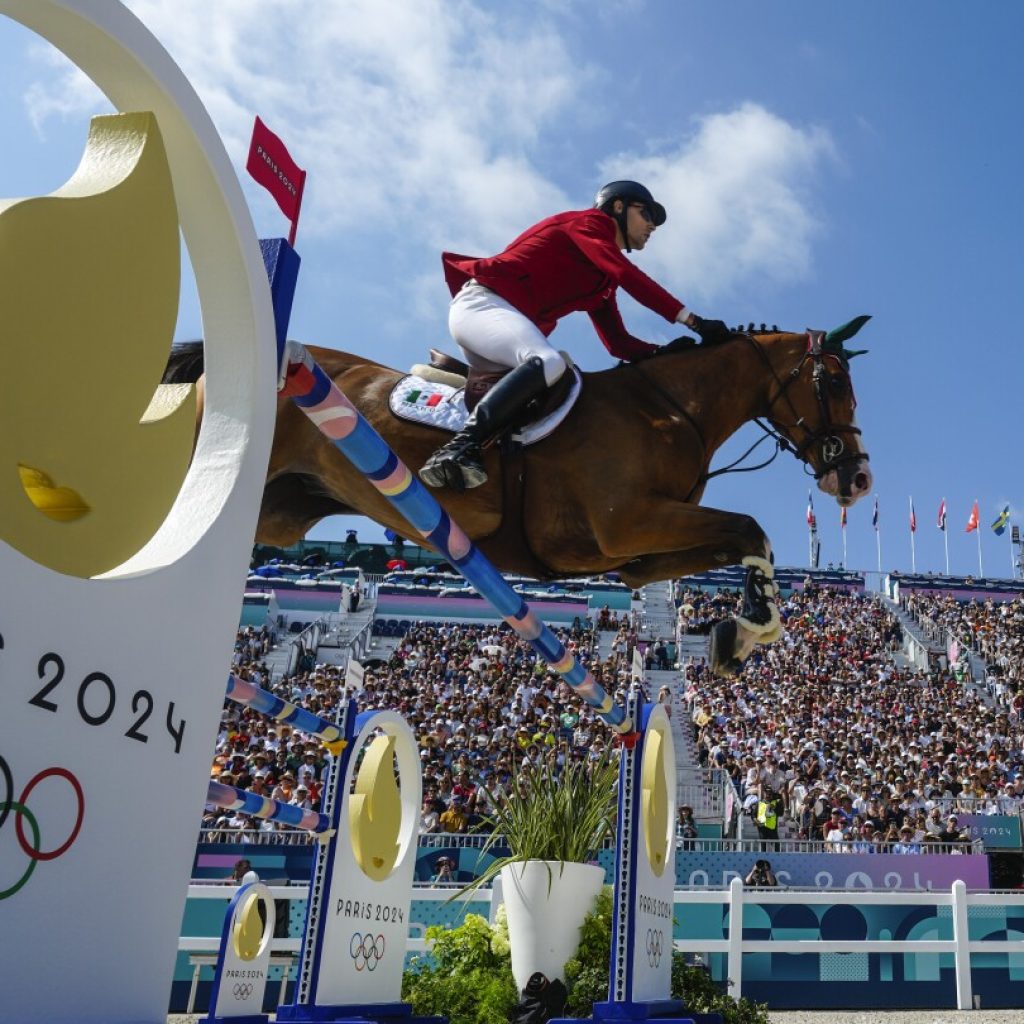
(838,385)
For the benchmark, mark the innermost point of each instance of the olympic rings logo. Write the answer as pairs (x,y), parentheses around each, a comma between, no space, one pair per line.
(654,945)
(34,850)
(242,990)
(367,950)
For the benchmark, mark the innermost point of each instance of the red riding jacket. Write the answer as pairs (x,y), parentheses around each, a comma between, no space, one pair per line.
(566,263)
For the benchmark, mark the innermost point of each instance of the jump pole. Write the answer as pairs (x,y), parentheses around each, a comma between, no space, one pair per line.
(337,418)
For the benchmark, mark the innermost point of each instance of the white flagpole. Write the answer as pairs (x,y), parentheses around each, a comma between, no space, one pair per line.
(1013,564)
(878,545)
(844,548)
(913,550)
(981,568)
(945,534)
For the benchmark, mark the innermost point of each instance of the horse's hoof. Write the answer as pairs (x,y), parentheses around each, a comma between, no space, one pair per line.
(722,649)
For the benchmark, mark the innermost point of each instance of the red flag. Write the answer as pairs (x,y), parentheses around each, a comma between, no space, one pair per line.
(913,518)
(842,517)
(941,523)
(812,522)
(271,165)
(972,523)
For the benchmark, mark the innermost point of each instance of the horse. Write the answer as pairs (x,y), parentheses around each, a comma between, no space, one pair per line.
(617,486)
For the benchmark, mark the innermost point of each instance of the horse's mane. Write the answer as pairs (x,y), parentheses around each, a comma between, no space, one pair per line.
(185,363)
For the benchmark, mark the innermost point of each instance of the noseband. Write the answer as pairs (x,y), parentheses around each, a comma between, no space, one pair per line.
(833,448)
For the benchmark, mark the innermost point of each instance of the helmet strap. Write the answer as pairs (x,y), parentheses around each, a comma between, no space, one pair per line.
(620,219)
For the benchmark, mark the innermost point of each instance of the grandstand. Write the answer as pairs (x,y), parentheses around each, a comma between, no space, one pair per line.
(885,729)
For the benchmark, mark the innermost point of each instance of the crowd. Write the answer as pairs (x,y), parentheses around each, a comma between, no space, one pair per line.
(854,747)
(827,729)
(480,702)
(995,629)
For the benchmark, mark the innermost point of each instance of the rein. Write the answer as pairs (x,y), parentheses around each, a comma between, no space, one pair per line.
(832,446)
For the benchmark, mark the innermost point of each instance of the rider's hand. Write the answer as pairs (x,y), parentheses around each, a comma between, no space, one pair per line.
(710,331)
(641,356)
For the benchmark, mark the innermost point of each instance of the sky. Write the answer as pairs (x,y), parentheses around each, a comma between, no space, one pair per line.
(817,161)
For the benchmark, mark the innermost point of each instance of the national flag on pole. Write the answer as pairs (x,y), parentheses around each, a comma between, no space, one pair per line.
(842,517)
(272,166)
(941,521)
(974,521)
(874,516)
(999,526)
(811,521)
(913,518)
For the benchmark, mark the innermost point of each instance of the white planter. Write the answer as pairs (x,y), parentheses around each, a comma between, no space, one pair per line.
(545,913)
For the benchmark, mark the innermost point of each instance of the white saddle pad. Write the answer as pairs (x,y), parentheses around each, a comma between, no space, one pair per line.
(439,405)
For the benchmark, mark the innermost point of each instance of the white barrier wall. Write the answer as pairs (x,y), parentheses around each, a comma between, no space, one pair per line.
(112,684)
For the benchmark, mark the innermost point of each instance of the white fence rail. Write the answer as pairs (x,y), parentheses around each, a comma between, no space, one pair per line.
(734,945)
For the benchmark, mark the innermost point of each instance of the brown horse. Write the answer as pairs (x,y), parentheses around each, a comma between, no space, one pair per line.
(617,486)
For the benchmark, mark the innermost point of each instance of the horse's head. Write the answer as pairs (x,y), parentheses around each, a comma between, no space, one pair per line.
(814,409)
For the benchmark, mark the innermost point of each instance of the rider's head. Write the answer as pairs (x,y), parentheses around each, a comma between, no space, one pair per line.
(633,209)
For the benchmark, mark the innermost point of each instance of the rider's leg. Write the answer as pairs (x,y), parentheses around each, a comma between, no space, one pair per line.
(487,327)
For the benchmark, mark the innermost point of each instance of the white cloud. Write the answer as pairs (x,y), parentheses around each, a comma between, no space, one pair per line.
(739,199)
(427,124)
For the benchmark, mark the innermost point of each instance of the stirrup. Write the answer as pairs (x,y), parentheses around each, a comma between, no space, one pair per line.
(456,466)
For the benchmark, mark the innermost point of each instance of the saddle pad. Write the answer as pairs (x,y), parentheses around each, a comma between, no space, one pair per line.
(439,405)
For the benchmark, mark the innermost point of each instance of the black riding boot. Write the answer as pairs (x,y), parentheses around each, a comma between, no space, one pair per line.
(459,464)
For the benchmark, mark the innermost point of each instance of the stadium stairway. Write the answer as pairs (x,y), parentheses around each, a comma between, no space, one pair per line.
(658,622)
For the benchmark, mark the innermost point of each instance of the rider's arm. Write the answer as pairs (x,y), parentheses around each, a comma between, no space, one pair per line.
(612,331)
(594,235)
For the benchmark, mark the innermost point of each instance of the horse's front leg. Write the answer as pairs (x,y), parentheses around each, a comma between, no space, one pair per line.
(692,538)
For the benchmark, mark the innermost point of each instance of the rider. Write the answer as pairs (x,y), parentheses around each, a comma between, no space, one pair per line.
(505,306)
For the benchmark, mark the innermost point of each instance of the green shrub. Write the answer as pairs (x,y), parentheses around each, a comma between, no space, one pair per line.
(468,976)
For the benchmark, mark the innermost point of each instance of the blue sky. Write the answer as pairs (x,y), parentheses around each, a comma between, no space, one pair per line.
(817,160)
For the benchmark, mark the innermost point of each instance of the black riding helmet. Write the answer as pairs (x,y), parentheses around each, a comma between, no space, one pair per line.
(628,192)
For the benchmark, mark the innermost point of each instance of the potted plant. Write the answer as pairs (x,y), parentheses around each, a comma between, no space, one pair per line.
(553,823)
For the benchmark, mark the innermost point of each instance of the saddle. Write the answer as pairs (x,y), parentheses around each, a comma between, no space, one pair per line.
(445,392)
(476,383)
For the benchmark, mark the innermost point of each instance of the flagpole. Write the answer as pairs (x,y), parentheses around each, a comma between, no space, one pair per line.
(945,534)
(878,545)
(981,568)
(844,548)
(1013,564)
(913,549)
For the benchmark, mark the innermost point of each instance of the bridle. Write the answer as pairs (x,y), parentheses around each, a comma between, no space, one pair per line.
(833,449)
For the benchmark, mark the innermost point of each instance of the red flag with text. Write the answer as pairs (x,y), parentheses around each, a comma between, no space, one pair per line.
(272,166)
(972,523)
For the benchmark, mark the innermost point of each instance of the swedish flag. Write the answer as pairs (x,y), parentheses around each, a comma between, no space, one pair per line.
(999,526)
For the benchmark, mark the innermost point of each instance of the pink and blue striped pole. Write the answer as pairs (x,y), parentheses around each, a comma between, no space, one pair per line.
(220,794)
(339,420)
(242,691)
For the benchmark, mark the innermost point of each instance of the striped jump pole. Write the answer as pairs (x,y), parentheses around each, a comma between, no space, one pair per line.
(242,691)
(220,794)
(339,420)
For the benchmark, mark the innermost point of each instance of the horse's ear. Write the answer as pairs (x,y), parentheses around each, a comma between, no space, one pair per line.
(847,331)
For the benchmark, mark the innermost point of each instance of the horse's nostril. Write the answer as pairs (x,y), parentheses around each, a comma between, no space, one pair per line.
(860,481)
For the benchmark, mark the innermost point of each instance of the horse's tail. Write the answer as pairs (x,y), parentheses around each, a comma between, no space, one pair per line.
(185,363)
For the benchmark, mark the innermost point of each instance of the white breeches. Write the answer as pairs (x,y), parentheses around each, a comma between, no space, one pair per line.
(494,335)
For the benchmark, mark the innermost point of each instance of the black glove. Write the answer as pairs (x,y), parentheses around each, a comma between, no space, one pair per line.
(643,355)
(711,332)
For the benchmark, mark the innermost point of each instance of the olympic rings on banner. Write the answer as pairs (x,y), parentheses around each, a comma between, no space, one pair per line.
(655,939)
(33,850)
(242,990)
(33,861)
(79,817)
(366,950)
(5,770)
